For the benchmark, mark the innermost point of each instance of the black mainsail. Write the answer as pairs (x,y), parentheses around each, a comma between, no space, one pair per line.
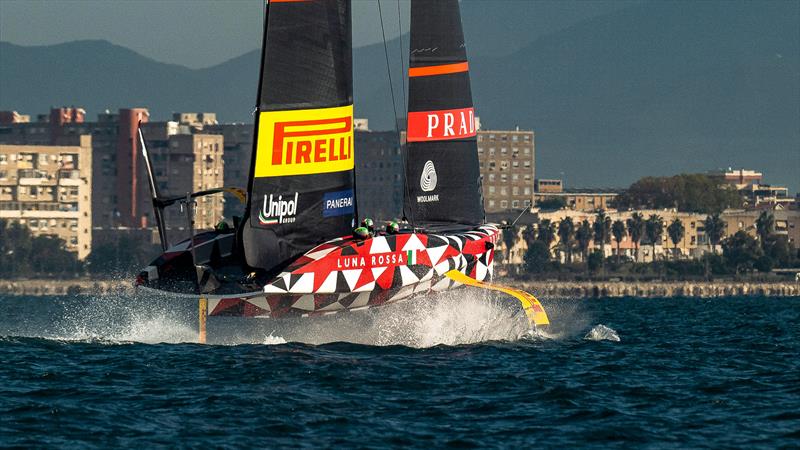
(442,172)
(300,189)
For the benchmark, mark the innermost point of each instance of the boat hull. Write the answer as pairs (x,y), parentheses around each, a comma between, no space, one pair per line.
(347,274)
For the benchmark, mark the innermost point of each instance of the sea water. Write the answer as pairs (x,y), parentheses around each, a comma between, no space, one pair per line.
(463,371)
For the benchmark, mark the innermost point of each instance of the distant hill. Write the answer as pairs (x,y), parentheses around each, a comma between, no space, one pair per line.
(659,88)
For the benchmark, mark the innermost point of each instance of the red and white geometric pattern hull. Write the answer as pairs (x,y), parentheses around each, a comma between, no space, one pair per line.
(348,274)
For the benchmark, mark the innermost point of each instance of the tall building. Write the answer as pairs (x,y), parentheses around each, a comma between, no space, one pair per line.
(117,172)
(121,196)
(507,161)
(186,163)
(48,188)
(238,138)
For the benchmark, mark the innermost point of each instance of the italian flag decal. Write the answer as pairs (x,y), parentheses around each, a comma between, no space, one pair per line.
(411,258)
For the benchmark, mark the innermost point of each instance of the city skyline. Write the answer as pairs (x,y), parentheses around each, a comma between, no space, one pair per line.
(613,92)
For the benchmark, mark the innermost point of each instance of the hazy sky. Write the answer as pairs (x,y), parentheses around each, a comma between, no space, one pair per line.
(194,33)
(202,33)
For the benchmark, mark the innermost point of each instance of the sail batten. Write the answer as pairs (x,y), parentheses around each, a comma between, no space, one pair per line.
(442,172)
(301,177)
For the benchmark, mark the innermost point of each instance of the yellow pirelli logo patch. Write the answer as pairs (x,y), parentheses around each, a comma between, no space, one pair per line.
(304,141)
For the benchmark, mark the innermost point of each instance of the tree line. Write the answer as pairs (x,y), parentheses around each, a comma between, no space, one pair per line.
(586,240)
(25,255)
(695,193)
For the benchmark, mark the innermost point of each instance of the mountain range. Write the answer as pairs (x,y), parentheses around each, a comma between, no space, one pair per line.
(653,89)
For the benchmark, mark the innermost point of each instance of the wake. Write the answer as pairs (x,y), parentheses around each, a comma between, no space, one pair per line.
(459,317)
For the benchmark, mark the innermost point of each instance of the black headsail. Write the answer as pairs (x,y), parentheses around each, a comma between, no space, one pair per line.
(442,171)
(301,174)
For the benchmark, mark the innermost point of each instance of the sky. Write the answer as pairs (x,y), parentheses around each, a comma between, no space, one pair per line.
(203,33)
(194,33)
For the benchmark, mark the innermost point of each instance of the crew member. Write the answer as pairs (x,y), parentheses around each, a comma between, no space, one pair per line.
(392,227)
(369,225)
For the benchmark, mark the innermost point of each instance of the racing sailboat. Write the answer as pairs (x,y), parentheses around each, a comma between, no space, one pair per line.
(295,252)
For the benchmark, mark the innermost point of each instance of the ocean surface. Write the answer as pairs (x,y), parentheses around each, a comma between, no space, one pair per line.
(456,371)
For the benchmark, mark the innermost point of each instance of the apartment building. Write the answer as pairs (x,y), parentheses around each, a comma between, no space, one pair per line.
(48,188)
(692,243)
(750,184)
(188,159)
(238,140)
(119,185)
(787,222)
(186,163)
(507,165)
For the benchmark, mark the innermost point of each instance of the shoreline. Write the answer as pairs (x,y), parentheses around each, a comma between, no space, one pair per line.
(544,289)
(653,289)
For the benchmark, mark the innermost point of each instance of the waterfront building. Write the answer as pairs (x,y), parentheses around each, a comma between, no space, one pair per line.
(758,195)
(586,200)
(548,186)
(48,188)
(507,165)
(693,243)
(9,117)
(787,222)
(750,184)
(739,178)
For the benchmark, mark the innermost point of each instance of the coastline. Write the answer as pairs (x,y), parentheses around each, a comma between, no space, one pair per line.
(652,289)
(77,286)
(543,289)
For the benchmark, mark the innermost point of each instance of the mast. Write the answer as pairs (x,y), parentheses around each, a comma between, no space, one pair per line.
(300,187)
(442,168)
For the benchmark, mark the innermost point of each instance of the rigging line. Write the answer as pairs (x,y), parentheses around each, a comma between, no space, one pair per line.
(388,69)
(394,109)
(402,62)
(405,107)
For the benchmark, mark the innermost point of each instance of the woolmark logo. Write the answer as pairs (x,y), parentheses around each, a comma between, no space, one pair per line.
(427,182)
(277,210)
(428,179)
(303,142)
(441,125)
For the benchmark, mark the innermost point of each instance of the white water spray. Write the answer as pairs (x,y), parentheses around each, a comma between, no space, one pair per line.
(602,333)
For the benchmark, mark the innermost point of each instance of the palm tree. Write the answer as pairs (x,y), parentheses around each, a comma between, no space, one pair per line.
(654,229)
(675,231)
(618,230)
(715,228)
(584,237)
(602,230)
(636,230)
(509,239)
(566,234)
(546,233)
(765,227)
